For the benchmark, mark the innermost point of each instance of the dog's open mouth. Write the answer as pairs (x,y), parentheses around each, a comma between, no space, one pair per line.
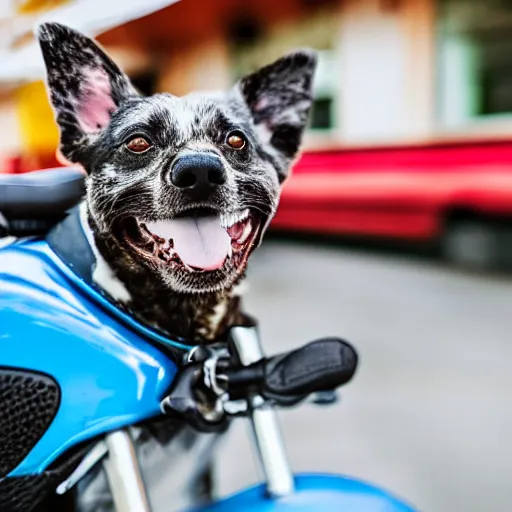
(197,241)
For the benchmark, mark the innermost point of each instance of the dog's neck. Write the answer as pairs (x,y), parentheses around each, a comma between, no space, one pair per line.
(194,317)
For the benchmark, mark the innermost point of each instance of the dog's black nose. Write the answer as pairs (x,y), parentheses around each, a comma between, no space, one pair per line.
(198,173)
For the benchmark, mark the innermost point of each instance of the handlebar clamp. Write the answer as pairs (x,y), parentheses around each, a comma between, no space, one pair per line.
(213,384)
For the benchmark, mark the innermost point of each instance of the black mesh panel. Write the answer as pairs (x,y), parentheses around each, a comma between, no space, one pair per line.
(28,403)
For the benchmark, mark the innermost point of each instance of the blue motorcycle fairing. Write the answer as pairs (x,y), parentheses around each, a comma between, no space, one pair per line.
(110,375)
(322,493)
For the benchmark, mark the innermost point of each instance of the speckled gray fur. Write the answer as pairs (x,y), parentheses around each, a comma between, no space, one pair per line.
(97,110)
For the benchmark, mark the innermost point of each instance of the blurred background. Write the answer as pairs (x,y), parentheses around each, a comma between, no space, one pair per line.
(409,146)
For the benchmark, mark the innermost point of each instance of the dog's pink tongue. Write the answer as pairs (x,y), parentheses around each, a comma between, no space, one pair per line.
(200,242)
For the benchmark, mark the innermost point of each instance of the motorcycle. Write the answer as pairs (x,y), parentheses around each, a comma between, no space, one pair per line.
(100,412)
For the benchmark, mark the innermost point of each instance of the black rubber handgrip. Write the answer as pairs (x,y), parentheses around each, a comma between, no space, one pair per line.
(321,365)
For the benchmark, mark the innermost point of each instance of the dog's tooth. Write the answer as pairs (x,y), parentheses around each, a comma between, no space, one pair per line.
(241,215)
(228,220)
(245,234)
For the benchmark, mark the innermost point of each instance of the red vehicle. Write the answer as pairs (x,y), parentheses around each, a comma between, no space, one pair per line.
(456,196)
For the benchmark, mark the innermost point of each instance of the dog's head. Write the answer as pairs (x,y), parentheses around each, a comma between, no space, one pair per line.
(186,185)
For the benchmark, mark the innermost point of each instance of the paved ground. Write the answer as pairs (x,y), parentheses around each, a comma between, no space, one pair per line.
(429,414)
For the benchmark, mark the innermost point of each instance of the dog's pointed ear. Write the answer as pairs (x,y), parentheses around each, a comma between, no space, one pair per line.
(279,97)
(85,86)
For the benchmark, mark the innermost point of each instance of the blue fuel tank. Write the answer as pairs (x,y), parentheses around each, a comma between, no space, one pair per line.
(73,365)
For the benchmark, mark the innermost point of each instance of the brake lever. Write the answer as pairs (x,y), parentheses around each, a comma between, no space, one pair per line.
(202,413)
(195,395)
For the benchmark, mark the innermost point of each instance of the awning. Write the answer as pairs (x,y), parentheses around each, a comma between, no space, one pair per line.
(23,62)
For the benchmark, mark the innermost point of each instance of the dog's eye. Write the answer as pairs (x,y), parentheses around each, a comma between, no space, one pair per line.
(236,140)
(138,145)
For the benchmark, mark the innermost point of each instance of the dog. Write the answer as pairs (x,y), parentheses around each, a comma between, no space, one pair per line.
(180,190)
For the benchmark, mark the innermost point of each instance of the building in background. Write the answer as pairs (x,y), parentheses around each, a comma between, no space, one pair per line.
(390,71)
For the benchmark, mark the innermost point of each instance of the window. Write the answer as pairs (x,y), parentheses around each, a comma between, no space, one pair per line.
(322,113)
(475,57)
(254,45)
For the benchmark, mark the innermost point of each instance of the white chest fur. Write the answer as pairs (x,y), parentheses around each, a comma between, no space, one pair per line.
(103,276)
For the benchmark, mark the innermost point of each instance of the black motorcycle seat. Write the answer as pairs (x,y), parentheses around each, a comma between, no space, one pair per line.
(40,195)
